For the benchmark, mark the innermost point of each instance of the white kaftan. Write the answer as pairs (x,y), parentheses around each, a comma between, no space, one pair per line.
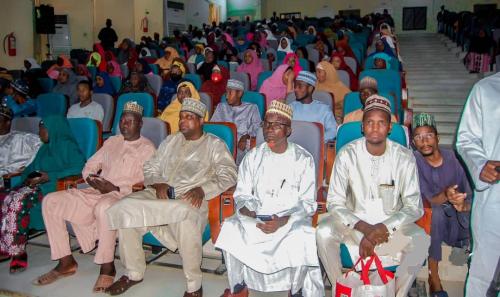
(478,141)
(281,184)
(17,149)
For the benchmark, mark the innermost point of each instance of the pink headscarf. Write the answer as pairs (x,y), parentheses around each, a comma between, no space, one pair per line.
(229,38)
(273,87)
(253,69)
(296,68)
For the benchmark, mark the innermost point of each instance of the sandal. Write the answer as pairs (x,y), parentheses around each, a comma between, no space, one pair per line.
(19,263)
(52,276)
(121,286)
(102,283)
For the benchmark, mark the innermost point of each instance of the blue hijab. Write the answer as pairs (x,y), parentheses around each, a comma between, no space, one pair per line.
(107,88)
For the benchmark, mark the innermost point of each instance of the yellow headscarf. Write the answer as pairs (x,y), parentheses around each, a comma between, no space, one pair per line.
(333,85)
(165,63)
(171,112)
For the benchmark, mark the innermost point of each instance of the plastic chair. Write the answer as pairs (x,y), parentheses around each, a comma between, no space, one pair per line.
(125,70)
(351,62)
(352,102)
(243,77)
(370,63)
(252,97)
(155,82)
(205,98)
(351,131)
(93,72)
(116,81)
(46,83)
(26,124)
(304,64)
(194,78)
(345,78)
(388,81)
(51,104)
(155,68)
(108,104)
(153,129)
(313,54)
(262,77)
(223,63)
(88,135)
(143,99)
(191,67)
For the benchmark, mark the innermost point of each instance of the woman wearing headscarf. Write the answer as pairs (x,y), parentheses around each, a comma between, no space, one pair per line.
(167,59)
(339,63)
(142,66)
(285,45)
(329,81)
(171,114)
(241,44)
(66,85)
(292,60)
(83,71)
(31,64)
(112,66)
(103,84)
(137,83)
(381,46)
(59,156)
(97,58)
(228,53)
(170,82)
(216,85)
(61,62)
(278,85)
(198,56)
(251,65)
(205,69)
(381,61)
(345,50)
(478,57)
(125,51)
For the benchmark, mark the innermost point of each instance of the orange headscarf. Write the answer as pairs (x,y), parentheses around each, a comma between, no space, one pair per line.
(334,85)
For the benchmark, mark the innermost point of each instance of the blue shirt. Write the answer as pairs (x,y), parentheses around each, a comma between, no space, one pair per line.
(168,89)
(318,112)
(25,109)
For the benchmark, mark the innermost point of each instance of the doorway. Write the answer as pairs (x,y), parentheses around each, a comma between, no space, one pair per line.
(213,13)
(414,18)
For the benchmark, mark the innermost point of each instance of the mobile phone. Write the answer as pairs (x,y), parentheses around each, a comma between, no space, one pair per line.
(34,174)
(264,218)
(171,192)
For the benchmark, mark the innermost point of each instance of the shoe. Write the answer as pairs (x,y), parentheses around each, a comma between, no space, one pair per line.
(298,294)
(198,293)
(242,293)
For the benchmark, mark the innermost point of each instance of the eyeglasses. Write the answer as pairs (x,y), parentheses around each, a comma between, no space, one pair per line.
(426,136)
(273,125)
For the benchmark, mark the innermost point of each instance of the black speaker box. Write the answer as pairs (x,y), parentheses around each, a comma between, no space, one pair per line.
(45,21)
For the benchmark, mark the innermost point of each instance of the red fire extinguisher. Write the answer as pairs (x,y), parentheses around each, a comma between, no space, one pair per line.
(145,24)
(11,44)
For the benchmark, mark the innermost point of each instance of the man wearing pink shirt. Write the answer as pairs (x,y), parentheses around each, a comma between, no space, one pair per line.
(110,175)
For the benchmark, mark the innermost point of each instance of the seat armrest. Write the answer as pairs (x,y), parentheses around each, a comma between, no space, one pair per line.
(69,182)
(219,208)
(330,159)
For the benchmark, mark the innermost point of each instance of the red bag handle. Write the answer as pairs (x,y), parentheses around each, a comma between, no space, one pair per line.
(365,270)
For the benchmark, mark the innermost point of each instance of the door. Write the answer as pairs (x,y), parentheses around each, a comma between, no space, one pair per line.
(414,18)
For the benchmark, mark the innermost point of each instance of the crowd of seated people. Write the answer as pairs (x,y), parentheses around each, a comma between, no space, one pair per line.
(377,189)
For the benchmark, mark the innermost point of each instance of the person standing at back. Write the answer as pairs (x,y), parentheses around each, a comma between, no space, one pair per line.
(108,36)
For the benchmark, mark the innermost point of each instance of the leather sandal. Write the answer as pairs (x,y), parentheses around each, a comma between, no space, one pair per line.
(102,283)
(53,275)
(121,286)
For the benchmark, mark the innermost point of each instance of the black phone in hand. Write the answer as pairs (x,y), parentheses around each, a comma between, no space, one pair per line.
(34,174)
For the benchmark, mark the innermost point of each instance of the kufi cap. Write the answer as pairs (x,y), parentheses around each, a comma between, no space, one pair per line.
(377,102)
(368,82)
(195,106)
(133,106)
(6,111)
(235,84)
(280,108)
(423,119)
(307,77)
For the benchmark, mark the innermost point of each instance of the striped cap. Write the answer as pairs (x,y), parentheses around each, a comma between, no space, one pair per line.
(235,84)
(423,119)
(377,102)
(307,77)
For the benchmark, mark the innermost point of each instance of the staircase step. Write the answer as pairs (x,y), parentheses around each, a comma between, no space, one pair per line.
(433,108)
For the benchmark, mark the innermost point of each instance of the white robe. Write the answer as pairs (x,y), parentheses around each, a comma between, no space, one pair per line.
(281,184)
(478,141)
(17,149)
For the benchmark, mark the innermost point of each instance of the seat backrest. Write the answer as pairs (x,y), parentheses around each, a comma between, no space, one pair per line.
(223,63)
(313,54)
(262,77)
(155,82)
(195,79)
(51,104)
(205,98)
(394,63)
(265,64)
(273,44)
(88,135)
(322,96)
(117,83)
(155,68)
(352,102)
(351,62)
(93,72)
(304,64)
(252,97)
(26,124)
(226,132)
(308,135)
(191,67)
(143,99)
(387,81)
(124,69)
(351,131)
(344,78)
(243,77)
(153,129)
(108,105)
(46,83)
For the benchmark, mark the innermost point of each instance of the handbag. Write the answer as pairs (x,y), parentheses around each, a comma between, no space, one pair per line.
(379,283)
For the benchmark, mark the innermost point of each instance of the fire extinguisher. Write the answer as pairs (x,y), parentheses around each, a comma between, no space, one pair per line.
(145,24)
(11,44)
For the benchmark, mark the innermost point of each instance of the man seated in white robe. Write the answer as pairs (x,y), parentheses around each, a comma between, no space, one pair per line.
(17,149)
(244,115)
(189,168)
(373,202)
(269,244)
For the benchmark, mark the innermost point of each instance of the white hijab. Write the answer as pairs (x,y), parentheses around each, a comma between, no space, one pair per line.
(288,49)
